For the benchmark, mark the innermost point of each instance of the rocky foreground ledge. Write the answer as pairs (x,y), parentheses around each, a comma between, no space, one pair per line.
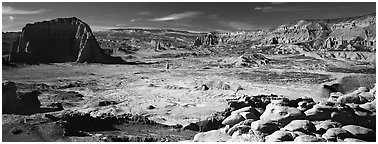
(263,118)
(343,118)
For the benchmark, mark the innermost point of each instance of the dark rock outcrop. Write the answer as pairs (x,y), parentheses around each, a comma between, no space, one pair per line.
(58,40)
(24,102)
(19,102)
(10,101)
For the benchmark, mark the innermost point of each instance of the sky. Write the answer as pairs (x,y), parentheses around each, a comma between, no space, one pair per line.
(196,16)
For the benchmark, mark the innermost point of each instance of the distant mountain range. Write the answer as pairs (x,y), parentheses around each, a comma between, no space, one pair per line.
(347,34)
(342,34)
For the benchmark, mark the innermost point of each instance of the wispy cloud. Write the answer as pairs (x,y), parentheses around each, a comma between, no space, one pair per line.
(13,11)
(144,13)
(214,16)
(277,3)
(121,25)
(285,9)
(101,28)
(136,19)
(8,18)
(178,16)
(11,18)
(263,8)
(237,25)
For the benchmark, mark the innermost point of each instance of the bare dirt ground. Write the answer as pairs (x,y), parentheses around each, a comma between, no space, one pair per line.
(170,96)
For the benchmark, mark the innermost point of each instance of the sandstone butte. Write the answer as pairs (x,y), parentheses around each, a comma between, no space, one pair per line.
(59,40)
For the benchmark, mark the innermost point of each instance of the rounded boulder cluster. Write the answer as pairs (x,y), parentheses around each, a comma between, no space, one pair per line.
(272,118)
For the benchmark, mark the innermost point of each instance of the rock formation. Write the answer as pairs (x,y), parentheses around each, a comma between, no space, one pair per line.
(209,39)
(347,84)
(19,102)
(279,120)
(347,34)
(58,40)
(246,60)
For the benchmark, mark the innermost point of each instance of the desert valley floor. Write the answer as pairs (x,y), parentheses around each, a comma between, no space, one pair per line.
(168,96)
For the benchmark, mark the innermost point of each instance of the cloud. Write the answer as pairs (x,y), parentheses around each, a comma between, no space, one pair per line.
(11,18)
(100,28)
(178,16)
(285,9)
(277,3)
(121,25)
(214,16)
(136,19)
(241,25)
(263,8)
(237,25)
(144,13)
(12,11)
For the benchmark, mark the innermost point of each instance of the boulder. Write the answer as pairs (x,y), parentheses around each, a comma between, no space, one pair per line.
(246,109)
(360,132)
(249,115)
(233,119)
(240,139)
(282,114)
(360,111)
(320,112)
(367,95)
(237,126)
(309,138)
(370,95)
(370,106)
(233,129)
(280,102)
(353,140)
(337,133)
(298,132)
(363,117)
(265,126)
(225,129)
(59,40)
(353,97)
(334,96)
(323,126)
(351,83)
(279,136)
(235,105)
(211,136)
(348,84)
(300,125)
(246,138)
(304,105)
(344,114)
(214,121)
(242,129)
